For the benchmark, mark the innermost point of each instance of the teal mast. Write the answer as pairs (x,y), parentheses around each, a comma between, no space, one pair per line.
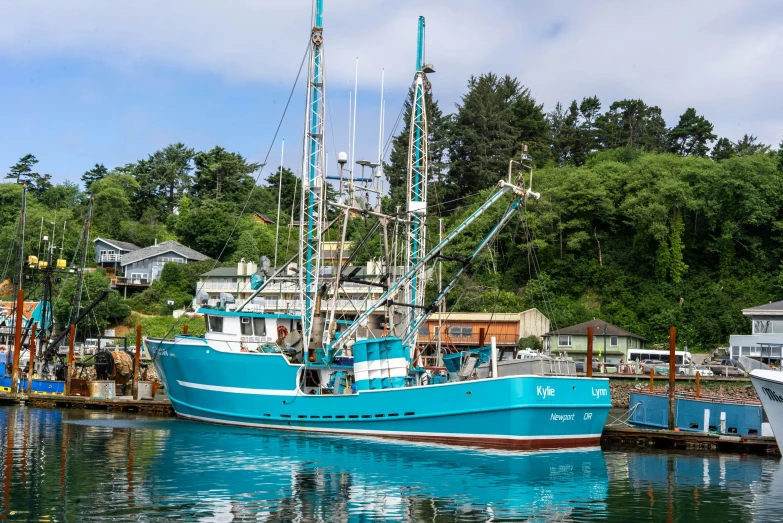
(417,192)
(312,223)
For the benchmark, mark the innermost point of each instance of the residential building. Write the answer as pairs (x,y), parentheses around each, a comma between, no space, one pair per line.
(262,218)
(766,337)
(470,330)
(609,341)
(282,295)
(143,266)
(109,253)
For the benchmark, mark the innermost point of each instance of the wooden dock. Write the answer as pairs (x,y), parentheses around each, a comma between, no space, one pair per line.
(630,437)
(160,407)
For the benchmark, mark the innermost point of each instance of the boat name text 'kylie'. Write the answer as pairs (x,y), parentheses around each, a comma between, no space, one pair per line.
(545,392)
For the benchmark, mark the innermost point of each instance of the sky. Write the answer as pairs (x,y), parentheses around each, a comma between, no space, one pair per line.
(90,81)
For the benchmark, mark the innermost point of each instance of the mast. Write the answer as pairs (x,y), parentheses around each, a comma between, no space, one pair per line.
(311,231)
(417,191)
(80,281)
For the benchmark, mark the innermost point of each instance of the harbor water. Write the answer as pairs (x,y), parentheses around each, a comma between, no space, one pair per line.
(76,465)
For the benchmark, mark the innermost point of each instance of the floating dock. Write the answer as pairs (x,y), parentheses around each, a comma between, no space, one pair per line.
(630,437)
(161,407)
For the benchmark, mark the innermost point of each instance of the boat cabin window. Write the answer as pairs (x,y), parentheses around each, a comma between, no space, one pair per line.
(260,326)
(247,326)
(215,323)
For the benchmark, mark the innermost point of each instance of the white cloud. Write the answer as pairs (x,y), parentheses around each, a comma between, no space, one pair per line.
(720,56)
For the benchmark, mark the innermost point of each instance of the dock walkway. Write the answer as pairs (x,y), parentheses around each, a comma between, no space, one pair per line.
(157,406)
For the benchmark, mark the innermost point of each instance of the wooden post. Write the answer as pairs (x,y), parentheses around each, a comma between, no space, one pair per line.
(698,384)
(672,373)
(185,329)
(69,370)
(589,360)
(136,363)
(482,337)
(17,339)
(652,377)
(31,365)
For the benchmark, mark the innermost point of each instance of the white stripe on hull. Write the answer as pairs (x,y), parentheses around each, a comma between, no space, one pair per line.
(239,390)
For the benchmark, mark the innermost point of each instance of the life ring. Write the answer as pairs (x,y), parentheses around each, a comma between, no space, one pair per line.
(282,332)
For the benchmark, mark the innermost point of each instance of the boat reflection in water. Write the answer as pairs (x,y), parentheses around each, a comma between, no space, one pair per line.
(76,465)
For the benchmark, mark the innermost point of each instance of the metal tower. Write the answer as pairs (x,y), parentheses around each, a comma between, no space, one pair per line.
(312,218)
(417,192)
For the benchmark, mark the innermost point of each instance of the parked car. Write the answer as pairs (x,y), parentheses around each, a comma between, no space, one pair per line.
(580,366)
(728,370)
(660,367)
(687,370)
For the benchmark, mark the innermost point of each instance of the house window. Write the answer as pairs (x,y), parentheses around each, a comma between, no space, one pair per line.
(455,332)
(215,324)
(424,330)
(564,340)
(247,326)
(613,341)
(260,326)
(467,332)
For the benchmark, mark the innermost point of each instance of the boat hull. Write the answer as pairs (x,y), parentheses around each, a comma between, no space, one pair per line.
(769,387)
(258,390)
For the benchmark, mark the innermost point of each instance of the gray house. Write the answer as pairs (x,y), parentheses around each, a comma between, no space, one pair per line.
(143,266)
(765,342)
(110,252)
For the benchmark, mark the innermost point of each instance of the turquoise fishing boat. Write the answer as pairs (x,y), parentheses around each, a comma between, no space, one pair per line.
(316,371)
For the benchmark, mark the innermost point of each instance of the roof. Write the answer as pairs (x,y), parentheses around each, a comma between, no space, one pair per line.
(774,308)
(598,330)
(161,248)
(263,217)
(222,272)
(123,246)
(479,316)
(27,311)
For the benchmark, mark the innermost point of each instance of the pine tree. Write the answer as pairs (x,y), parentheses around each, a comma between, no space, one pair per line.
(692,135)
(98,172)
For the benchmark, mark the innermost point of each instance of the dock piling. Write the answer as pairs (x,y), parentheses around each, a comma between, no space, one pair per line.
(672,372)
(136,363)
(69,370)
(589,362)
(652,377)
(31,364)
(185,329)
(698,384)
(17,340)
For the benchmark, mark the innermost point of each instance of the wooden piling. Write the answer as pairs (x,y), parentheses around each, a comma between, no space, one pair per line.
(698,384)
(31,364)
(589,360)
(185,329)
(652,377)
(136,363)
(482,337)
(17,339)
(672,372)
(69,370)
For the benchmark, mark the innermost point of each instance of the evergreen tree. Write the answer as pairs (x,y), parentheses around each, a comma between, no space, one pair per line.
(749,145)
(169,173)
(290,194)
(223,176)
(98,172)
(22,171)
(692,135)
(396,170)
(723,150)
(632,123)
(496,116)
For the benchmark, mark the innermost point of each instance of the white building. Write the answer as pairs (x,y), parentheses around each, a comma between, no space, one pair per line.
(766,338)
(282,295)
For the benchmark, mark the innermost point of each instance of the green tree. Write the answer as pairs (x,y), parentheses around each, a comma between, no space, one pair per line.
(632,123)
(223,176)
(290,195)
(495,117)
(691,136)
(98,172)
(22,171)
(111,311)
(207,228)
(749,145)
(723,150)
